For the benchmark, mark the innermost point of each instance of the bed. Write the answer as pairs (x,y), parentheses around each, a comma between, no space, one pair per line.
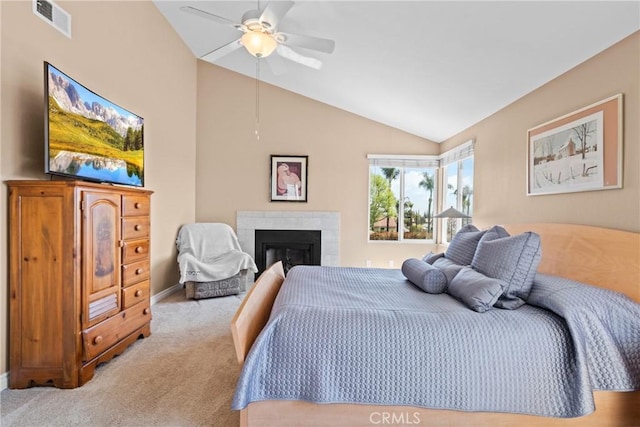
(607,258)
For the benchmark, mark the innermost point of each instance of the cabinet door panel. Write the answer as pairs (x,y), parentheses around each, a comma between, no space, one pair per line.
(101,251)
(41,292)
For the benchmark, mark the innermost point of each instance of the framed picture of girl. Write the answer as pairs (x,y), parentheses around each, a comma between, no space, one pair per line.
(289,178)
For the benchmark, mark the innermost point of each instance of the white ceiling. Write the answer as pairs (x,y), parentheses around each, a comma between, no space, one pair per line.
(430,68)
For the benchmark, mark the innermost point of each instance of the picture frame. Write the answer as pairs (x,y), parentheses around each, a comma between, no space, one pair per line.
(580,151)
(289,178)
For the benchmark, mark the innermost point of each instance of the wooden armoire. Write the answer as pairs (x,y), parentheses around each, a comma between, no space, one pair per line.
(78,278)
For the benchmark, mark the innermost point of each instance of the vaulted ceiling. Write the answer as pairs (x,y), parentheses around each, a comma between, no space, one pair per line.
(430,68)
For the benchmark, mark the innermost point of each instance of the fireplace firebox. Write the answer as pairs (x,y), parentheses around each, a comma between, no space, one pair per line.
(292,247)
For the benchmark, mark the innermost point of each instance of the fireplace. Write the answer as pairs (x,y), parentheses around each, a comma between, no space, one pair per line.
(247,222)
(292,247)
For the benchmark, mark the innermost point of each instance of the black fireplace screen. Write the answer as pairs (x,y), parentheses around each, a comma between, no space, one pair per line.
(292,247)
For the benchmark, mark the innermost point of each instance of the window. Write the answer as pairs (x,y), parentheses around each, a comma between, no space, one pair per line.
(457,187)
(402,197)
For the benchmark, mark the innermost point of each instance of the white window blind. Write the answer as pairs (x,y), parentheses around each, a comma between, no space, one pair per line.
(403,161)
(460,152)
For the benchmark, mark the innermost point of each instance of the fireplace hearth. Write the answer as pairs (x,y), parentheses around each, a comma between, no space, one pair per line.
(292,247)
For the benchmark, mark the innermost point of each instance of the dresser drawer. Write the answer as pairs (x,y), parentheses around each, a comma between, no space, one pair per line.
(135,272)
(101,337)
(135,250)
(135,205)
(135,228)
(135,294)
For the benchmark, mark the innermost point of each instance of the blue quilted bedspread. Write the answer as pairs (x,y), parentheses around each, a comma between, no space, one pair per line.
(356,335)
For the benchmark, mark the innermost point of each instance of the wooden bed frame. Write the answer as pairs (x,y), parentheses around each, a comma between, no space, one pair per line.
(604,257)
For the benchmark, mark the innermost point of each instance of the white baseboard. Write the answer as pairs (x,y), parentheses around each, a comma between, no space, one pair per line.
(163,294)
(4,381)
(4,378)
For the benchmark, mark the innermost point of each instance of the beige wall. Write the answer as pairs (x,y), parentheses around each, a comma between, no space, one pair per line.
(500,156)
(233,167)
(127,52)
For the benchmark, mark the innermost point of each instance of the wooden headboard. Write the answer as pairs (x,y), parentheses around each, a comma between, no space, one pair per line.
(603,257)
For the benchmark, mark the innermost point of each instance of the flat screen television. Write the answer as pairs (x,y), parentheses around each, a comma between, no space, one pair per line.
(88,137)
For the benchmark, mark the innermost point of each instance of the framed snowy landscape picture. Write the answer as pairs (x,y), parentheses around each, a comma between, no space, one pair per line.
(580,151)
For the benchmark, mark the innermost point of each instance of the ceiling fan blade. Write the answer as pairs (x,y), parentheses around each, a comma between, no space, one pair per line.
(274,12)
(218,53)
(212,17)
(276,64)
(291,55)
(307,42)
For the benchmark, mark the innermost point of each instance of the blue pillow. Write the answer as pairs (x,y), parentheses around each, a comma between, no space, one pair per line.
(512,259)
(463,245)
(495,232)
(475,290)
(448,267)
(430,258)
(425,276)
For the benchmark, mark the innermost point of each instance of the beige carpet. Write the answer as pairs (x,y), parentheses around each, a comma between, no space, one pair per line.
(184,374)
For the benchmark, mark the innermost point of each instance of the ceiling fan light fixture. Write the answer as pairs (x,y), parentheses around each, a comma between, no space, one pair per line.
(259,44)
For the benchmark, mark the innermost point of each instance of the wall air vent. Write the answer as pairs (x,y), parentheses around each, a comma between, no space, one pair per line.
(57,17)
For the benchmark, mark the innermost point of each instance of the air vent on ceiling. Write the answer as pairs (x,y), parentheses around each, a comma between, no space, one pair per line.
(57,17)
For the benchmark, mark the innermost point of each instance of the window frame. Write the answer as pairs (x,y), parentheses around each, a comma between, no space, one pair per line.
(438,163)
(457,155)
(404,162)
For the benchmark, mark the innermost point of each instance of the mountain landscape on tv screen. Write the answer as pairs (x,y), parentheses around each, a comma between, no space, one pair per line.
(92,140)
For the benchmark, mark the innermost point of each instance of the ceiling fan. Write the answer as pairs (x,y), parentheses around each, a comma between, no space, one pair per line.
(261,37)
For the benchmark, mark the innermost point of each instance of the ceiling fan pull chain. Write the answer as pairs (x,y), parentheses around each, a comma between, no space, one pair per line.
(257,99)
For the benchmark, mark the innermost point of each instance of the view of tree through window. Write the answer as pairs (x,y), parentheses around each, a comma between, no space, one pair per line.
(458,193)
(404,194)
(401,203)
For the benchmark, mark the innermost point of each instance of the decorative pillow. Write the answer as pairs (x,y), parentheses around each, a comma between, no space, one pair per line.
(512,259)
(448,267)
(425,276)
(495,232)
(463,245)
(475,290)
(430,258)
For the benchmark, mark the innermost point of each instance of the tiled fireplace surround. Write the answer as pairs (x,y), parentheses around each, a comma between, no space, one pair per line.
(247,222)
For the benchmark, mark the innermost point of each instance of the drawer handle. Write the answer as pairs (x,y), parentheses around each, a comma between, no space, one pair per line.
(139,249)
(136,205)
(138,293)
(145,311)
(97,340)
(137,227)
(139,270)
